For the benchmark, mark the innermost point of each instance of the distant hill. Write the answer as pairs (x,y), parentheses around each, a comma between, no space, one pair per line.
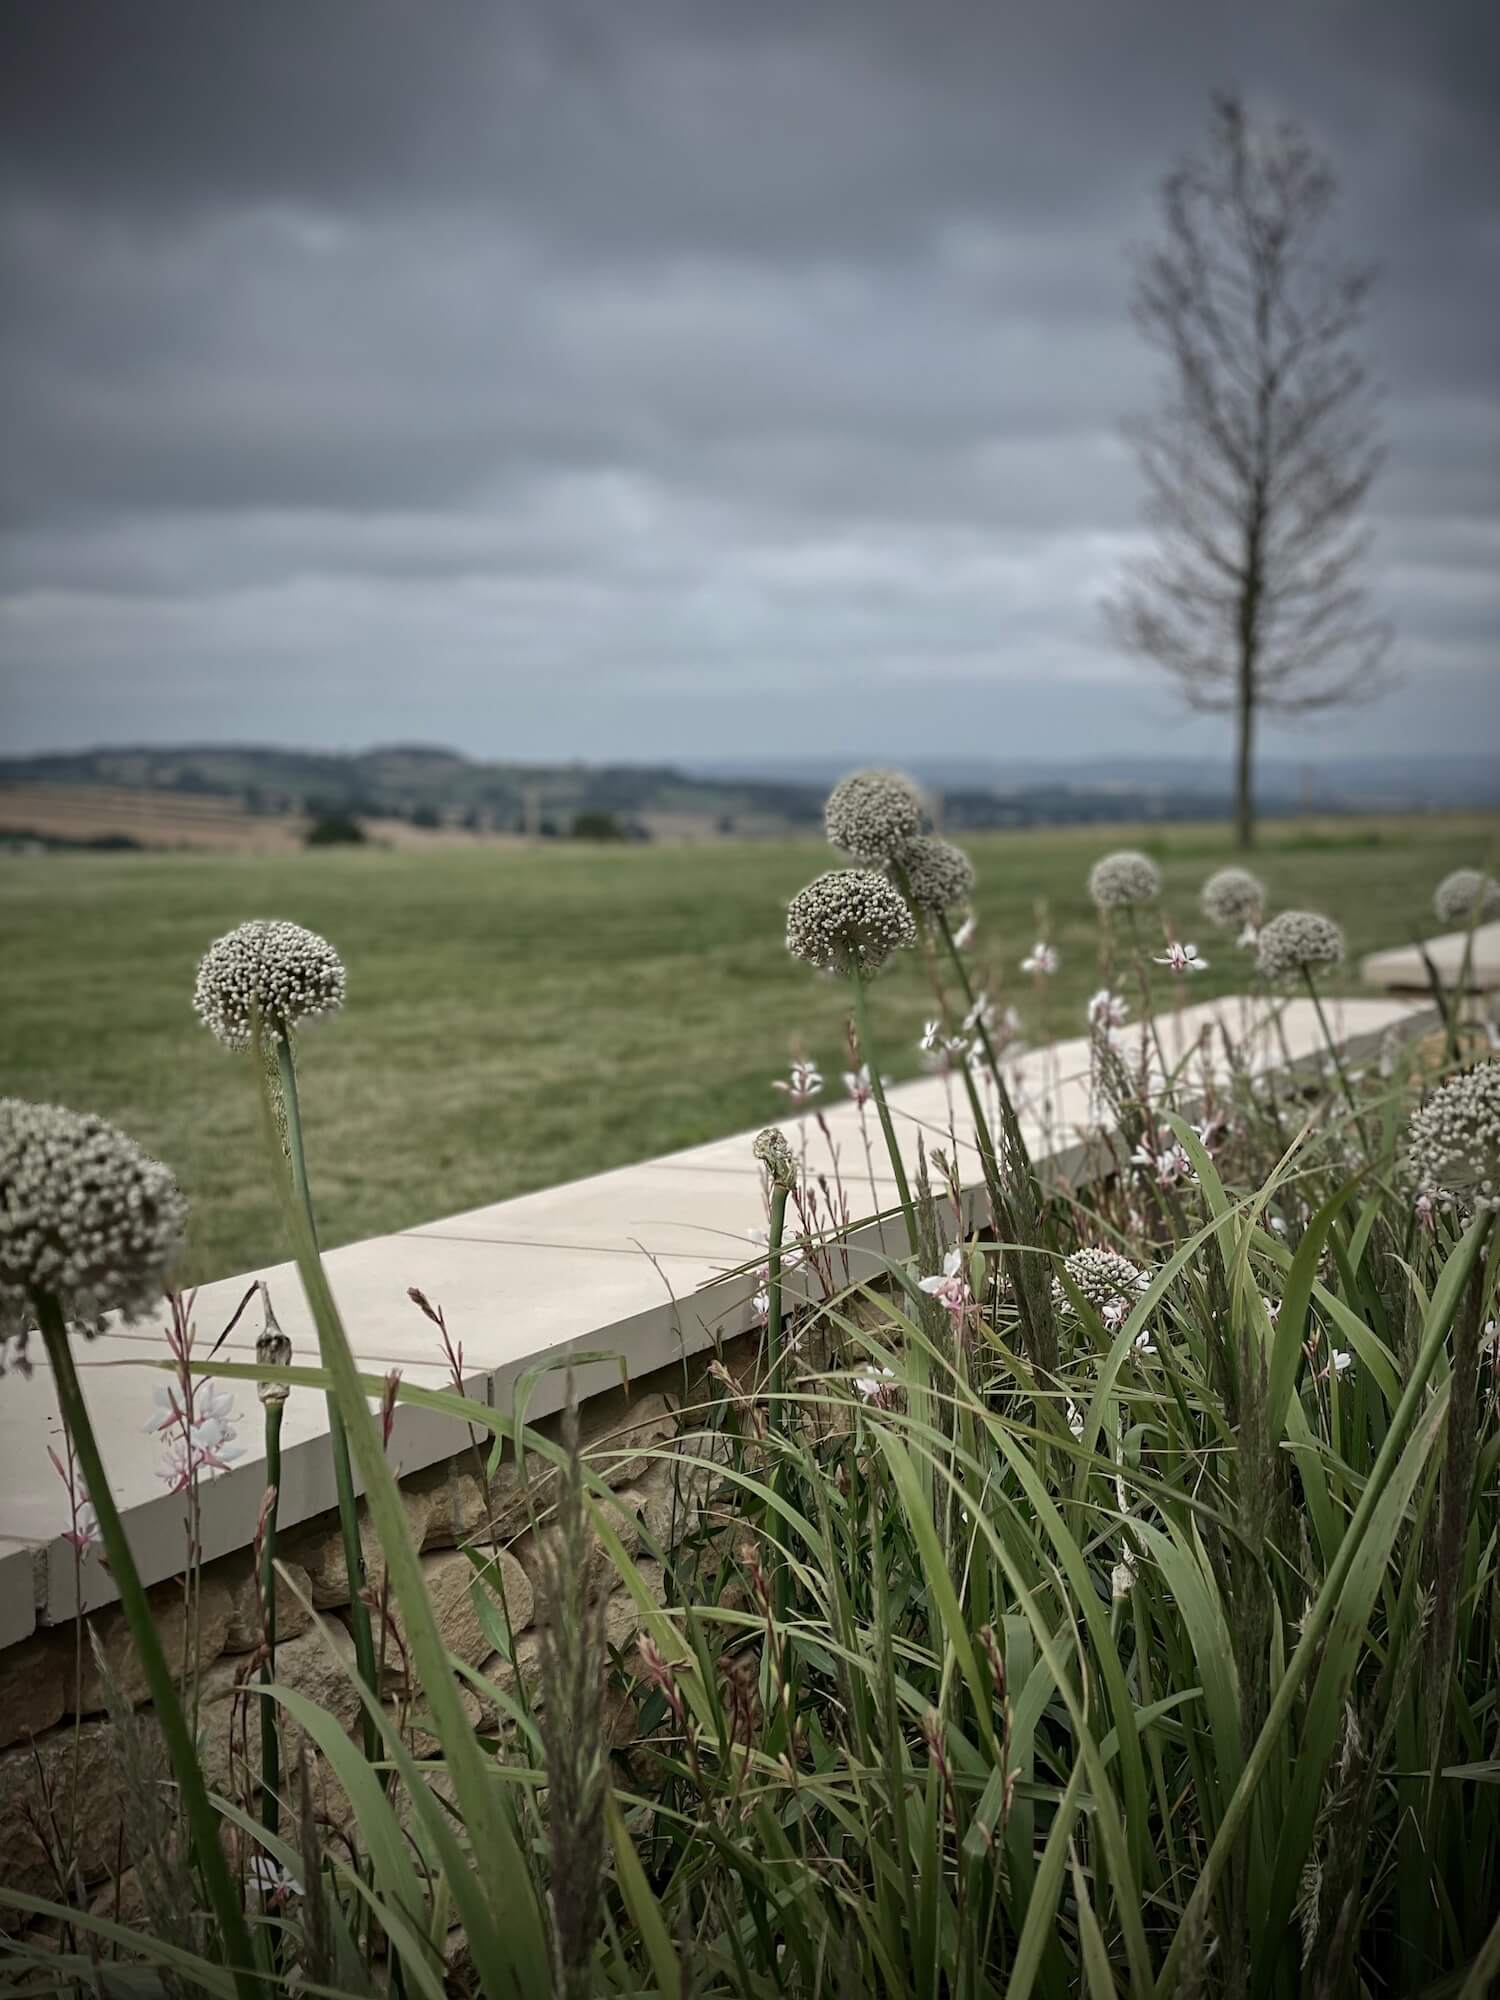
(428,786)
(265,796)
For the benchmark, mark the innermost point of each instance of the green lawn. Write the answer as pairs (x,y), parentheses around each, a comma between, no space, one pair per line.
(517,1018)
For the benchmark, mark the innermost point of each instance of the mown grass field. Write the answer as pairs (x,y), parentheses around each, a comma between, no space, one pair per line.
(519,1017)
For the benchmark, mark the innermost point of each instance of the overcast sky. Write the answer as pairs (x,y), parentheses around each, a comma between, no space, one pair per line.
(637,379)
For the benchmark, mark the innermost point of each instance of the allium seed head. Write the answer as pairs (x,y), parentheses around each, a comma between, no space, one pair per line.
(1299,941)
(1233,898)
(1466,895)
(289,973)
(776,1156)
(1123,880)
(1454,1143)
(849,920)
(1100,1275)
(873,814)
(937,874)
(86,1218)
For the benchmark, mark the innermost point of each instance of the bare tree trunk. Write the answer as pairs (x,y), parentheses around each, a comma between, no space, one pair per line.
(1244,749)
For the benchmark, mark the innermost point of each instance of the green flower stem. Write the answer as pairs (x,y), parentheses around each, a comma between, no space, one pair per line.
(1143,968)
(877,1089)
(203,1823)
(270,1743)
(1014,1137)
(1023,1181)
(774,1354)
(1338,1061)
(338,1437)
(1453,1040)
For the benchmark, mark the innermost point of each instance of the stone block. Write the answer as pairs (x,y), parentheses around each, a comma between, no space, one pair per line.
(73,1779)
(451,1580)
(208,1622)
(293,1587)
(36,1685)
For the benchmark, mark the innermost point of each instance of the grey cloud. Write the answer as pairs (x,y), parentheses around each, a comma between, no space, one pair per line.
(723,361)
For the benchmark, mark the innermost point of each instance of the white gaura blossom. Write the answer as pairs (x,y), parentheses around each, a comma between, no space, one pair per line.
(861,1085)
(1108,1010)
(1182,958)
(1124,880)
(1453,1148)
(1299,941)
(86,1218)
(950,1287)
(287,973)
(873,815)
(850,920)
(1043,959)
(804,1083)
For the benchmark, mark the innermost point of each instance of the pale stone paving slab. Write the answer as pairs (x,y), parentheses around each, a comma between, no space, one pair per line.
(1402,970)
(634,1263)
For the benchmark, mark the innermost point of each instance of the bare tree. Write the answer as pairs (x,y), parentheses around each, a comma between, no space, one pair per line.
(1260,456)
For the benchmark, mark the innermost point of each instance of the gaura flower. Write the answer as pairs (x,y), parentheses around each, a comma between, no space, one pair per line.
(1182,958)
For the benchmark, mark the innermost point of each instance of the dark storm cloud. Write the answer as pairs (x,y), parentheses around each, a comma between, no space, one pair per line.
(618,376)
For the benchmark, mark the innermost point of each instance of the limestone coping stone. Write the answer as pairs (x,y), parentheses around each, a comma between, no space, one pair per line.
(1402,970)
(649,1264)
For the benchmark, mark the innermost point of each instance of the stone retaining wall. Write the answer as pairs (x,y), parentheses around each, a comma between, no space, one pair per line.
(65,1776)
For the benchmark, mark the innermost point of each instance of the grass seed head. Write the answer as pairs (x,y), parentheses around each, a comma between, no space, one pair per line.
(1124,880)
(86,1218)
(1299,941)
(289,973)
(873,815)
(849,920)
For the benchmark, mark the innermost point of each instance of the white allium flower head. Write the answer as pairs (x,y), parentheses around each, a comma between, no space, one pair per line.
(774,1152)
(938,874)
(1466,894)
(290,973)
(86,1218)
(873,815)
(1299,941)
(1454,1143)
(849,920)
(1233,898)
(1100,1275)
(1123,880)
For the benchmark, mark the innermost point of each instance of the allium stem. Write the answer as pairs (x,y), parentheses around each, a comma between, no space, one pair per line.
(270,1743)
(1338,1061)
(338,1437)
(1143,967)
(1014,1137)
(877,1091)
(203,1824)
(774,1355)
